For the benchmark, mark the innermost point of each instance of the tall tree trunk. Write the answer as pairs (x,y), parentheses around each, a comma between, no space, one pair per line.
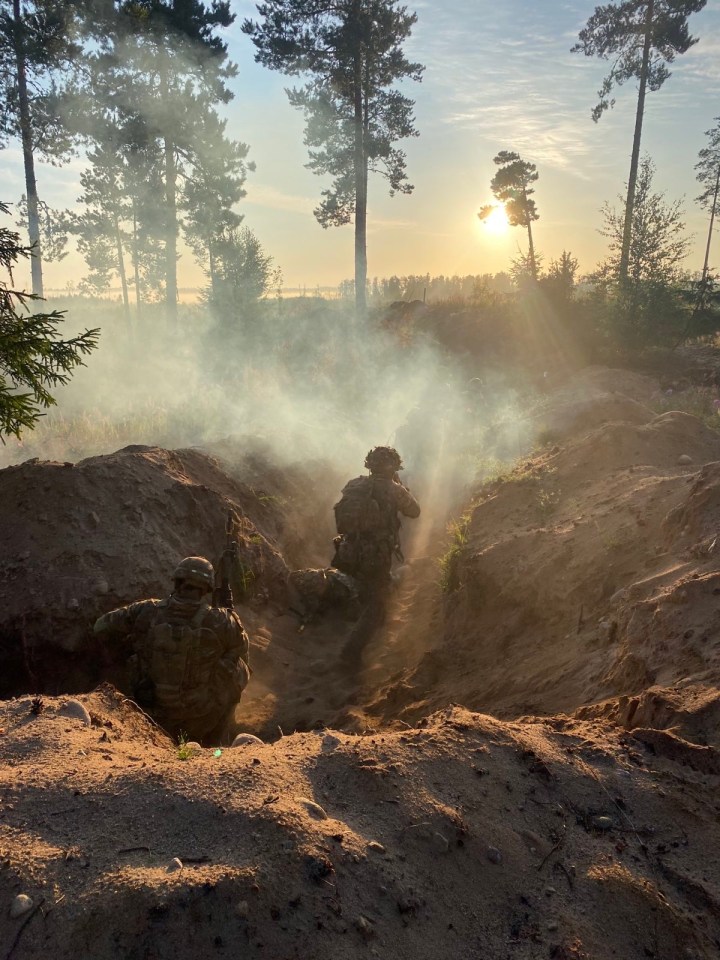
(710,231)
(531,251)
(171,292)
(213,269)
(123,277)
(635,159)
(28,159)
(136,264)
(531,245)
(360,193)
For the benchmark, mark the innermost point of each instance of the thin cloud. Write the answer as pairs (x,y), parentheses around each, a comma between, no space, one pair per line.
(273,199)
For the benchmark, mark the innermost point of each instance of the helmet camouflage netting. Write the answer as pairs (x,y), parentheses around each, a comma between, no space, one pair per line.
(382,458)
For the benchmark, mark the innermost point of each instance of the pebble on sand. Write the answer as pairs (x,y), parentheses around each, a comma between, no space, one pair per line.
(365,927)
(245,740)
(75,710)
(603,823)
(494,855)
(174,865)
(20,905)
(377,847)
(314,809)
(684,459)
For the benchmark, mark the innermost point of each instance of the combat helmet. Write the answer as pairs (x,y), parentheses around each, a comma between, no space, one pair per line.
(197,571)
(383,460)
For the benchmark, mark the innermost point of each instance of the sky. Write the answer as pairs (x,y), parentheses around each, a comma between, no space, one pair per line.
(498,76)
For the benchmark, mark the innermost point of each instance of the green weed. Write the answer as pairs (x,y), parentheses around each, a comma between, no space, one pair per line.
(547,502)
(698,401)
(184,750)
(458,530)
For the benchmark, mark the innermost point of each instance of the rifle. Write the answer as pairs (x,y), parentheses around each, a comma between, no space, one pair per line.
(222,595)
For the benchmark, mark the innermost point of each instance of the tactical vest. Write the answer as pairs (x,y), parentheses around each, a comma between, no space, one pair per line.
(364,511)
(178,657)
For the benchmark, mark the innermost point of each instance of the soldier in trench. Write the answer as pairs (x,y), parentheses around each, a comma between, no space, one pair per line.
(368,526)
(187,661)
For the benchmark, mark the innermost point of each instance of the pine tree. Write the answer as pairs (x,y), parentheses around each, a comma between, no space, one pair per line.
(33,357)
(641,37)
(512,185)
(38,47)
(708,174)
(352,53)
(161,66)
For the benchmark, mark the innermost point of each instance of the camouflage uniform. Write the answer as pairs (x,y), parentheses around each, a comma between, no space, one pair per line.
(313,591)
(368,554)
(188,662)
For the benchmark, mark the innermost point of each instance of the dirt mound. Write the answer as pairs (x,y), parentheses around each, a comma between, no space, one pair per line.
(77,540)
(301,495)
(543,838)
(588,571)
(592,397)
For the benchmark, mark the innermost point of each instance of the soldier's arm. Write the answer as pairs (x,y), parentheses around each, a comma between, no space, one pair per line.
(233,663)
(405,501)
(120,622)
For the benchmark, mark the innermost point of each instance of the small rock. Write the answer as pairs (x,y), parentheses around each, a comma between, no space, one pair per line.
(365,927)
(549,891)
(75,710)
(192,746)
(377,847)
(243,909)
(552,925)
(312,808)
(20,905)
(174,865)
(95,519)
(684,459)
(73,604)
(494,855)
(246,739)
(330,743)
(603,823)
(101,587)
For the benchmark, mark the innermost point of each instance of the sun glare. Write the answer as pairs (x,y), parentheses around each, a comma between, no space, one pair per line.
(497,221)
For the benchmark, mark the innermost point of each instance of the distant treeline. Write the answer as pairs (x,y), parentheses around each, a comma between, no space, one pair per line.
(430,289)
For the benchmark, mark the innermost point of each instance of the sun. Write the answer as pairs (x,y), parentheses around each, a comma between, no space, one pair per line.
(497,221)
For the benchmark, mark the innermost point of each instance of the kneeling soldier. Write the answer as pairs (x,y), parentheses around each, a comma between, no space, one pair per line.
(187,660)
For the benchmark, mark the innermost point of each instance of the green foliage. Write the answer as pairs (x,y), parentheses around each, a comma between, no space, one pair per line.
(44,40)
(708,168)
(53,229)
(547,502)
(658,244)
(616,32)
(33,357)
(155,75)
(652,306)
(512,185)
(698,401)
(243,276)
(449,573)
(352,54)
(184,751)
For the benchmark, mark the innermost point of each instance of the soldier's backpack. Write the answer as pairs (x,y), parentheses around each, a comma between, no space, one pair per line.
(175,658)
(358,511)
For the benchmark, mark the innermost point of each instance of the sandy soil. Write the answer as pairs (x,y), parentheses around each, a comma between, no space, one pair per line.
(567,808)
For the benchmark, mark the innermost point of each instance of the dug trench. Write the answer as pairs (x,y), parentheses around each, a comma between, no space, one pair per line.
(525,766)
